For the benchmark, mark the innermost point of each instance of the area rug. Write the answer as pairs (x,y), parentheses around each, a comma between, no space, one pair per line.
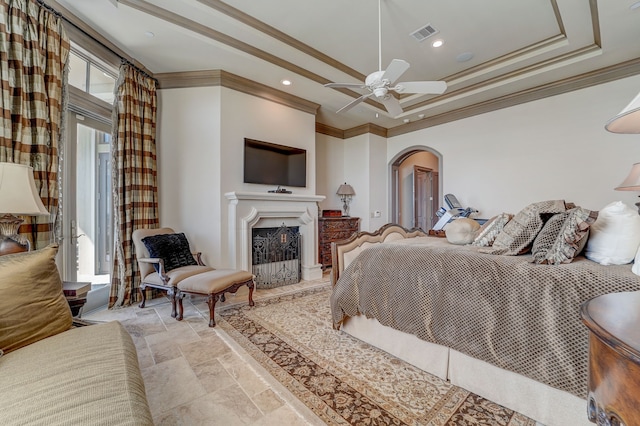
(346,381)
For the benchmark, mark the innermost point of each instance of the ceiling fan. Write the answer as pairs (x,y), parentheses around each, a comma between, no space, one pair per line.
(380,82)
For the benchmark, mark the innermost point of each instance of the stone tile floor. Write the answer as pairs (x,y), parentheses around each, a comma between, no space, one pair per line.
(196,375)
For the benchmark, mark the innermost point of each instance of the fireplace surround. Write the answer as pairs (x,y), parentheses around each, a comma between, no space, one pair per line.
(248,210)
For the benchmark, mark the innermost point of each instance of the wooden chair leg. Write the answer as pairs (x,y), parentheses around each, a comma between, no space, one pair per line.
(251,285)
(211,301)
(143,296)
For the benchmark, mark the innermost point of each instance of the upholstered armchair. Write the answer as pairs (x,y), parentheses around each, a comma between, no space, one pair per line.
(167,263)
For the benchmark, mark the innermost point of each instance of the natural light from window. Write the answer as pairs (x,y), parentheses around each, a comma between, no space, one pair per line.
(90,76)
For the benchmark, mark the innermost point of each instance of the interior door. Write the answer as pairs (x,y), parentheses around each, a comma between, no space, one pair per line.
(423,198)
(87,227)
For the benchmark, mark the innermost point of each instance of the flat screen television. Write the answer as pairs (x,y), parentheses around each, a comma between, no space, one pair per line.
(272,164)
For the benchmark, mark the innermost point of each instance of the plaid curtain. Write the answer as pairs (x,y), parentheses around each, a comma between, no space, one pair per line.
(135,190)
(34,53)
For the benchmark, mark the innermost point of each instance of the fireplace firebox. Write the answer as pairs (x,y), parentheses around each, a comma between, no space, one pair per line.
(276,256)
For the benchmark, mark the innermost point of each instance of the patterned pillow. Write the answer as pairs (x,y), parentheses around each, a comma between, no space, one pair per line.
(519,233)
(488,232)
(563,236)
(173,249)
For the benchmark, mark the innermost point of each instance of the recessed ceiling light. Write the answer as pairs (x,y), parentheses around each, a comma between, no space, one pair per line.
(464,57)
(437,43)
(635,5)
(286,82)
(149,34)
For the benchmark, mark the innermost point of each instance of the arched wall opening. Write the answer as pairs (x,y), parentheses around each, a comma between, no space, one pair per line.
(415,187)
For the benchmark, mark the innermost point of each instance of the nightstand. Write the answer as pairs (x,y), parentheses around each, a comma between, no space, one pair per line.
(614,358)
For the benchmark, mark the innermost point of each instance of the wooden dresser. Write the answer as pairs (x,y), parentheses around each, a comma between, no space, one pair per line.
(333,229)
(614,358)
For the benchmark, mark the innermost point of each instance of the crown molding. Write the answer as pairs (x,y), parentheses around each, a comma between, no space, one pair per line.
(582,81)
(176,80)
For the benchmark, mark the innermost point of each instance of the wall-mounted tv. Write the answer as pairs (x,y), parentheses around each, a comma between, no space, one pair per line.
(272,164)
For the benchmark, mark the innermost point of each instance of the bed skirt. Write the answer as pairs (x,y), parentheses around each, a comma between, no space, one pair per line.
(547,405)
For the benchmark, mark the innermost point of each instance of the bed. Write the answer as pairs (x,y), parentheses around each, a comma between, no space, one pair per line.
(475,319)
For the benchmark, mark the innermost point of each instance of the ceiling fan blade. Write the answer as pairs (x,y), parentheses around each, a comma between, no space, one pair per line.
(392,105)
(354,103)
(396,68)
(433,87)
(346,85)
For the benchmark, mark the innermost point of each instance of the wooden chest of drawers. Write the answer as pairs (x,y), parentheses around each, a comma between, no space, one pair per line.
(333,229)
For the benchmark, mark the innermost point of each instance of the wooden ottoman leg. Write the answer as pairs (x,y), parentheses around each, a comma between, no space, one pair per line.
(211,301)
(251,284)
(179,296)
(143,296)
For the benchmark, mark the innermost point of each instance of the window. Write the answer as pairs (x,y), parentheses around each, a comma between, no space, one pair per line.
(91,76)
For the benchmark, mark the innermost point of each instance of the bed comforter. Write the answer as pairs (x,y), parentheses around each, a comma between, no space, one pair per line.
(504,310)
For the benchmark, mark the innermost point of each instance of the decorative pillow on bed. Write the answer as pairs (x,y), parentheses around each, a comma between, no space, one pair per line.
(173,249)
(488,232)
(615,235)
(519,233)
(461,231)
(32,306)
(563,236)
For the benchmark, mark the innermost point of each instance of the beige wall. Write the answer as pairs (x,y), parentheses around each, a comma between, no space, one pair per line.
(554,148)
(200,137)
(188,145)
(499,161)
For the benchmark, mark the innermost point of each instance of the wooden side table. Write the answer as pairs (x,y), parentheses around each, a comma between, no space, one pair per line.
(614,358)
(76,304)
(334,229)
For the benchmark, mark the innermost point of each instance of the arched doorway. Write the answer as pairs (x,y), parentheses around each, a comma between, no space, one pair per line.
(415,187)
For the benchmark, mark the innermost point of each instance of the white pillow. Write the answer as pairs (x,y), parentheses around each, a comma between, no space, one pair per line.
(461,231)
(615,236)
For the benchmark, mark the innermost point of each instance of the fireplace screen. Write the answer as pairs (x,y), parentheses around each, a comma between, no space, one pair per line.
(276,256)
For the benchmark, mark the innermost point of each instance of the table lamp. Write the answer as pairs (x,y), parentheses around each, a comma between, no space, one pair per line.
(628,120)
(18,197)
(631,182)
(345,192)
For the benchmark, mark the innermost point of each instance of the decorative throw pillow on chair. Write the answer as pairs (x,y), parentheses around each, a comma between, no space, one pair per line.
(173,249)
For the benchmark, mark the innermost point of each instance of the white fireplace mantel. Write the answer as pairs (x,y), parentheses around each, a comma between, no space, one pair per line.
(257,209)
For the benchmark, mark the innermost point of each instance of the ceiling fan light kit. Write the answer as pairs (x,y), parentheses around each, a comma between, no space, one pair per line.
(380,82)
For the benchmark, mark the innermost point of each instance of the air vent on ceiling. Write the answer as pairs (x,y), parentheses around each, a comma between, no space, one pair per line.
(424,33)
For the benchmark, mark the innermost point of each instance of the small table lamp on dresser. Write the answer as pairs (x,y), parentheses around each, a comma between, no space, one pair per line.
(345,191)
(18,197)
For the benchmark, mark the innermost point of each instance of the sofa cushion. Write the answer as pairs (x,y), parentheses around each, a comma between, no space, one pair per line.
(173,249)
(32,304)
(563,236)
(461,231)
(488,232)
(615,236)
(518,235)
(84,376)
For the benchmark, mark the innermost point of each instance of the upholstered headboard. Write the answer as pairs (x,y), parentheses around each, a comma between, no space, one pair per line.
(343,252)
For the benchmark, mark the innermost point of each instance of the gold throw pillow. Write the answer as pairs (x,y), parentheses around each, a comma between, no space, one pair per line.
(32,306)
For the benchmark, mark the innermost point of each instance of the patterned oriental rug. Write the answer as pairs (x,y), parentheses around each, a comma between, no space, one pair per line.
(343,380)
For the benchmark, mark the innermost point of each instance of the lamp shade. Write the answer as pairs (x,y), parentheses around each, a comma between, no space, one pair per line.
(18,193)
(632,181)
(345,189)
(628,121)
